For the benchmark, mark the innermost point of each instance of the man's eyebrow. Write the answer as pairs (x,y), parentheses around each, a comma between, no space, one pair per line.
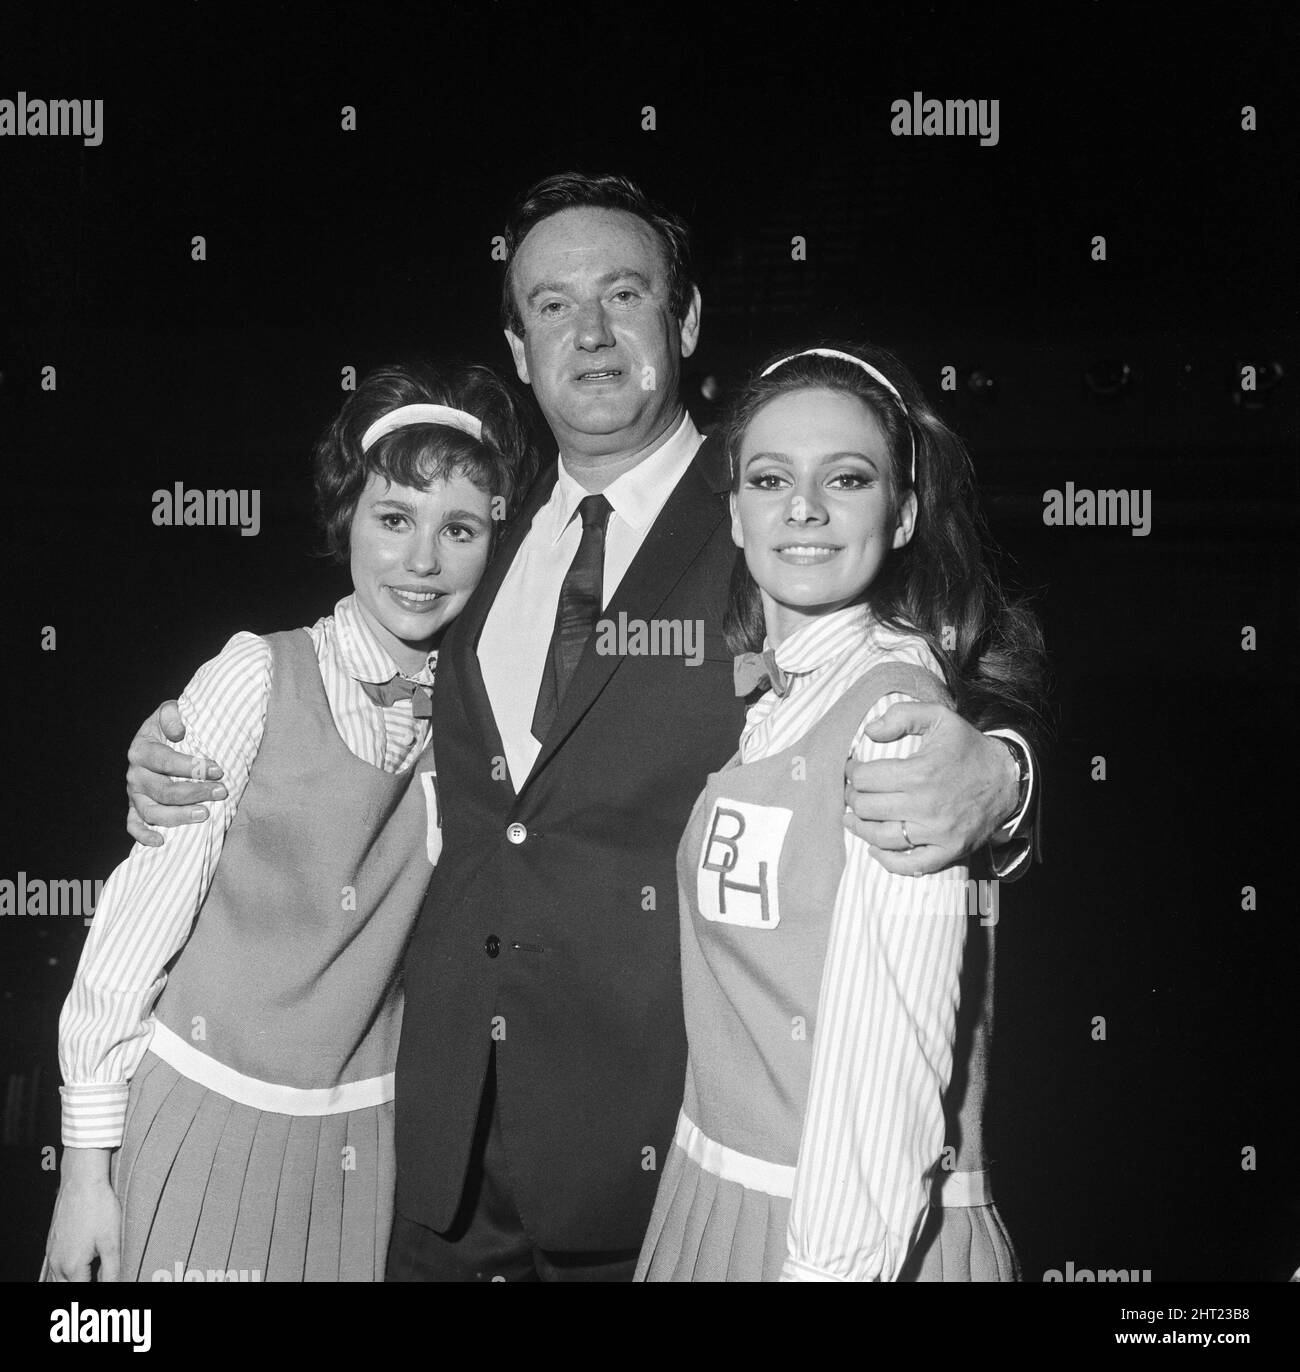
(541,288)
(607,279)
(626,274)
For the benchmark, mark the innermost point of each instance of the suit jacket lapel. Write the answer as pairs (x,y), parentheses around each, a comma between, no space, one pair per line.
(683,526)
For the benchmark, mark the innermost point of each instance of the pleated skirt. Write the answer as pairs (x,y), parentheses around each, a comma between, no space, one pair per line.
(212,1187)
(705,1229)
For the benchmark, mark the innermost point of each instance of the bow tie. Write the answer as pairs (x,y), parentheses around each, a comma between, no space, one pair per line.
(753,670)
(401,688)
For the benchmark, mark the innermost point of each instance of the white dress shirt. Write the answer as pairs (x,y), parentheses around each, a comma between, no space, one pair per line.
(517,633)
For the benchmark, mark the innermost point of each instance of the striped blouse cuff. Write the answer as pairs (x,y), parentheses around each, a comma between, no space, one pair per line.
(94,1115)
(1010,829)
(794,1270)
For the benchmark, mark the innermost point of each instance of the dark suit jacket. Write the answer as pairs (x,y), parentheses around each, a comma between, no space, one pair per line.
(563,948)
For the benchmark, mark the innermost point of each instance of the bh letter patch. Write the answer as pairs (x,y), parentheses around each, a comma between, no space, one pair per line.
(736,882)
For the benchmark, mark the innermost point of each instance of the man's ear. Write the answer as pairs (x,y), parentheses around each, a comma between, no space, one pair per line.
(516,345)
(690,326)
(737,533)
(906,521)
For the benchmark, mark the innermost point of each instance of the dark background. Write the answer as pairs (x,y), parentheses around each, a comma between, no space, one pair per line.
(328,248)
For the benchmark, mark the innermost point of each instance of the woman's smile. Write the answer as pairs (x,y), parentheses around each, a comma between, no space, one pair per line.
(807,554)
(416,599)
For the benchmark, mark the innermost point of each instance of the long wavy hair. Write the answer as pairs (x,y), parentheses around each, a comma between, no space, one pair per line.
(942,585)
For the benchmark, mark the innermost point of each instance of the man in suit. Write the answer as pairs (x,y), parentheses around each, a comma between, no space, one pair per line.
(543,1049)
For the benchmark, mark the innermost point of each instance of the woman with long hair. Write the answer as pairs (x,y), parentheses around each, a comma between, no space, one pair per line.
(821,991)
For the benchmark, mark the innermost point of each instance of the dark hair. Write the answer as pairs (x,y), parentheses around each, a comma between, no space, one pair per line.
(941,585)
(576,191)
(501,463)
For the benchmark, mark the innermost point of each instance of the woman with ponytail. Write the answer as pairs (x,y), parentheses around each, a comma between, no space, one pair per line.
(834,1095)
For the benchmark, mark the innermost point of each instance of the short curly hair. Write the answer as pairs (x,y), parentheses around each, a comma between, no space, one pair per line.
(502,463)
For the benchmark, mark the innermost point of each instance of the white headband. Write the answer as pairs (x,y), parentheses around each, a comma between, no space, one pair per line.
(866,367)
(421,414)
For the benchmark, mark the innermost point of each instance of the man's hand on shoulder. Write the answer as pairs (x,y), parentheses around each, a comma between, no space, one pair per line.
(154,797)
(924,813)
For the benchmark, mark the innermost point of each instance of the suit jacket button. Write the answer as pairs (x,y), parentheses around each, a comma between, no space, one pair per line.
(491,945)
(516,833)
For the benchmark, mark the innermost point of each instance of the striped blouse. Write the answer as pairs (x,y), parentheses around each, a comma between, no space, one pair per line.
(882,1053)
(150,902)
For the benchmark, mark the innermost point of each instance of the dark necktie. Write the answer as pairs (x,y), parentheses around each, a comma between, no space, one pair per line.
(401,688)
(752,670)
(575,615)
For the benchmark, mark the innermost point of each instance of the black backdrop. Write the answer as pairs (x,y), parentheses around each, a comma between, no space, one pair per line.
(329,248)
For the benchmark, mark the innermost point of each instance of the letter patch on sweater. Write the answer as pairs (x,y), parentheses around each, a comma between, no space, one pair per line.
(433,818)
(736,882)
